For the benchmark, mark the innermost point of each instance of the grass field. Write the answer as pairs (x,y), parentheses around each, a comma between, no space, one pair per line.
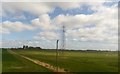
(69,60)
(15,63)
(0,60)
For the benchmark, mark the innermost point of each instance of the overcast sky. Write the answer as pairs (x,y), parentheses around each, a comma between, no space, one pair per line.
(88,25)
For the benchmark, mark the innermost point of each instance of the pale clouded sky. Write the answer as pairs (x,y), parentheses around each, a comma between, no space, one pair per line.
(89,25)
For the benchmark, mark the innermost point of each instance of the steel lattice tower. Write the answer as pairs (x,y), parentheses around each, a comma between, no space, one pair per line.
(63,45)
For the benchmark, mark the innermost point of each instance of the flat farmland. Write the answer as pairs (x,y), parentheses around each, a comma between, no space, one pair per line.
(73,61)
(15,63)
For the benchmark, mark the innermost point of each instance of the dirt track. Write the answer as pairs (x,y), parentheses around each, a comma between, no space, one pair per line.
(38,62)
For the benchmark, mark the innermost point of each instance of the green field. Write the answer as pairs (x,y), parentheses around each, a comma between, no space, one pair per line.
(15,63)
(73,61)
(0,61)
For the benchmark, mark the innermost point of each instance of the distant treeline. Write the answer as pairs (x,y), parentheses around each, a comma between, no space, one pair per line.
(30,47)
(25,47)
(80,50)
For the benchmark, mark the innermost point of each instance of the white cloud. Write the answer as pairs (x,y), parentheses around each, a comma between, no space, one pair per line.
(47,36)
(0,9)
(3,30)
(43,22)
(73,21)
(100,26)
(36,8)
(56,0)
(9,26)
(92,34)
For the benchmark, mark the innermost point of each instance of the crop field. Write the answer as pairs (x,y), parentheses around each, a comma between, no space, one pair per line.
(72,61)
(14,63)
(0,61)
